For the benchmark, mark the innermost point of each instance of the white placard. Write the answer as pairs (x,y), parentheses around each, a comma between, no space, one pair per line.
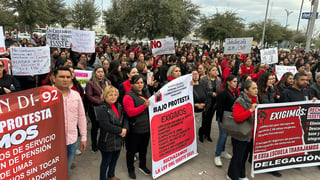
(83,76)
(172,126)
(83,41)
(163,46)
(269,56)
(2,43)
(235,45)
(60,38)
(280,70)
(30,60)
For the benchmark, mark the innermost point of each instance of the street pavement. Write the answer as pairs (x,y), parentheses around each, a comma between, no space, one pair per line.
(201,167)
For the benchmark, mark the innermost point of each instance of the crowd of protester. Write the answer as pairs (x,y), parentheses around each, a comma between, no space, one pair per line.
(116,98)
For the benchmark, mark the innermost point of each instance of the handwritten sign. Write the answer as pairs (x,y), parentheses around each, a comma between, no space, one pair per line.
(60,38)
(83,41)
(30,60)
(2,44)
(235,45)
(280,70)
(269,56)
(163,46)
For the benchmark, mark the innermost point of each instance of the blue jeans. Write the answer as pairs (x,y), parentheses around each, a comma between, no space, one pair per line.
(71,151)
(109,159)
(221,143)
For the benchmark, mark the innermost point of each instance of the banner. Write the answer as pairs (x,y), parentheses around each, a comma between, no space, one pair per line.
(235,45)
(32,135)
(173,133)
(30,60)
(269,56)
(83,77)
(83,41)
(2,43)
(286,136)
(280,70)
(163,46)
(60,38)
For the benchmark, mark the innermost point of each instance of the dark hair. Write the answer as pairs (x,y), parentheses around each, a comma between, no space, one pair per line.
(228,79)
(244,77)
(55,72)
(298,75)
(262,84)
(135,78)
(284,79)
(4,70)
(247,84)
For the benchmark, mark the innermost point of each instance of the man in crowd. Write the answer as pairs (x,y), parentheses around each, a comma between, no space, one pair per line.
(73,113)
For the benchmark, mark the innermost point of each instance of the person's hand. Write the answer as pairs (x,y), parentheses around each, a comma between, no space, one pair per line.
(6,90)
(123,132)
(253,107)
(278,97)
(214,94)
(203,105)
(314,99)
(83,146)
(147,103)
(155,84)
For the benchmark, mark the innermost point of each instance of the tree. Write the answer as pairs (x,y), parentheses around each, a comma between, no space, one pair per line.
(221,26)
(8,19)
(56,12)
(84,14)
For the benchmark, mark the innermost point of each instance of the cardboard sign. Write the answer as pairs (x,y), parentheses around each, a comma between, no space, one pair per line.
(269,56)
(83,41)
(163,46)
(2,43)
(280,70)
(235,45)
(30,60)
(60,38)
(30,148)
(286,136)
(172,126)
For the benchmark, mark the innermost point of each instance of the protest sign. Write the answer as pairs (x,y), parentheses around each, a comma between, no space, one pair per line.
(269,56)
(83,41)
(83,77)
(163,46)
(60,38)
(235,45)
(280,70)
(172,126)
(286,136)
(30,148)
(2,43)
(6,64)
(30,60)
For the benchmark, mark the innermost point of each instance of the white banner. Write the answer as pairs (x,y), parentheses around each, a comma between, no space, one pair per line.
(83,41)
(2,44)
(30,60)
(269,56)
(59,37)
(235,45)
(163,46)
(172,125)
(280,70)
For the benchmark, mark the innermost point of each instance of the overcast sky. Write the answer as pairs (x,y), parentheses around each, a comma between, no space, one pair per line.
(249,10)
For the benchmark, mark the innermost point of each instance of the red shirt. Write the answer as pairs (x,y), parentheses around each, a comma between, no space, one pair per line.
(115,110)
(127,86)
(239,113)
(244,70)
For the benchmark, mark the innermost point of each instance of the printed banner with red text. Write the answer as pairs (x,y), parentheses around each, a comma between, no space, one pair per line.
(172,126)
(287,135)
(32,140)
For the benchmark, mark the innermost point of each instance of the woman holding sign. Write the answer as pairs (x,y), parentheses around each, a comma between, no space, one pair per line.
(114,125)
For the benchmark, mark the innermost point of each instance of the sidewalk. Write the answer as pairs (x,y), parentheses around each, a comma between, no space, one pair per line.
(199,168)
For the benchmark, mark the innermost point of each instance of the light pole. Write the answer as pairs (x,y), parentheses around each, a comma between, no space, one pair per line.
(300,15)
(312,21)
(264,26)
(288,14)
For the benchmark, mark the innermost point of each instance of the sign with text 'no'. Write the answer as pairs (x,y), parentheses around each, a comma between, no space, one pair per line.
(163,46)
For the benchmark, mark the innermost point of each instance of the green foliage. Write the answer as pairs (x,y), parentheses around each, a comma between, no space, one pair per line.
(299,38)
(84,14)
(221,26)
(7,19)
(151,18)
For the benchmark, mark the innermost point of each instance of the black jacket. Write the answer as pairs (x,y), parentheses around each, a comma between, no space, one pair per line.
(292,95)
(6,82)
(110,127)
(225,101)
(199,96)
(314,90)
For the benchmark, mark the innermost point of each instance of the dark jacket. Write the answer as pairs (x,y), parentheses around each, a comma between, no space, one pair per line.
(268,97)
(110,127)
(314,90)
(94,91)
(199,96)
(292,95)
(225,101)
(6,82)
(210,88)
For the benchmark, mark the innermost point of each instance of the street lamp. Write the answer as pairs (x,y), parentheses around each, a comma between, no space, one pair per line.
(288,14)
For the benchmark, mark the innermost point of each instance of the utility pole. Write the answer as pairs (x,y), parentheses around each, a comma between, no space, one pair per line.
(300,15)
(312,21)
(264,26)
